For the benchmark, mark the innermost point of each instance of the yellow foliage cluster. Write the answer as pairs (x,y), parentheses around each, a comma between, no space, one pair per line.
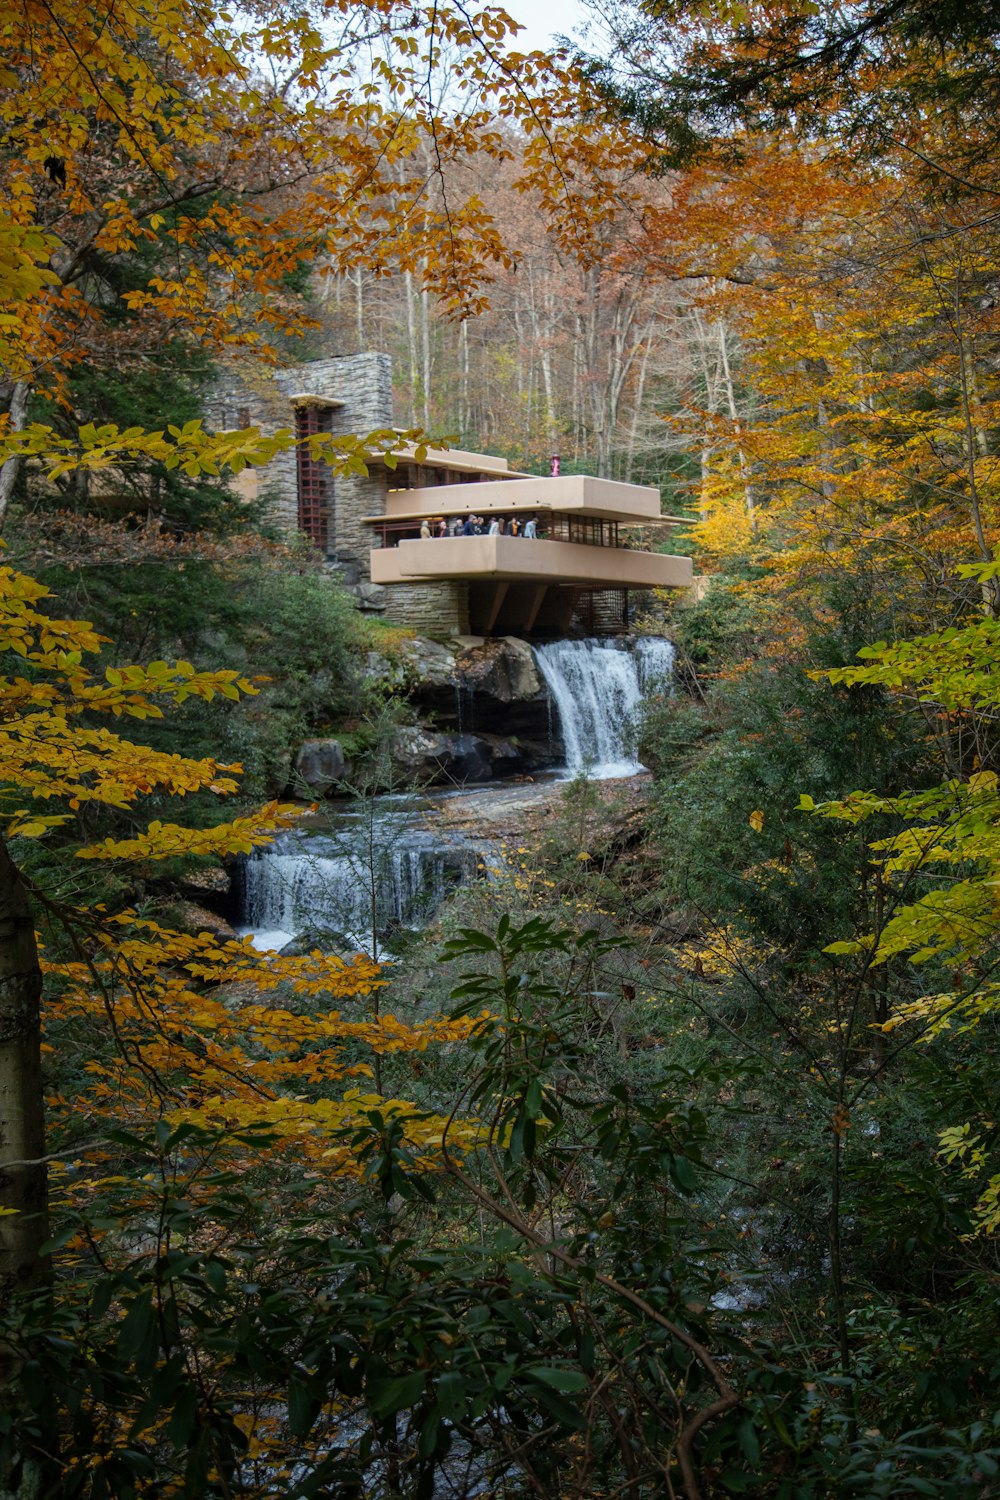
(186,1032)
(861,319)
(47,753)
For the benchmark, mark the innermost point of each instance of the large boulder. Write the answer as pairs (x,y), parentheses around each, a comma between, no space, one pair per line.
(422,755)
(210,883)
(320,765)
(483,686)
(428,665)
(383,670)
(370,597)
(503,669)
(195,918)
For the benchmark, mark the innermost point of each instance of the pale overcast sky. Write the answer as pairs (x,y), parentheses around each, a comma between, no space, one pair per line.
(544,19)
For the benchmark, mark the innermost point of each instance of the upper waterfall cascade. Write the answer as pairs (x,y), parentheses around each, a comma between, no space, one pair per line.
(597,687)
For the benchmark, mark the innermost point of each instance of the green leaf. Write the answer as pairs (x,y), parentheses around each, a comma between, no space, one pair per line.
(684,1174)
(749,1442)
(399,1394)
(559,1379)
(136,1324)
(185,1415)
(302,1407)
(565,1414)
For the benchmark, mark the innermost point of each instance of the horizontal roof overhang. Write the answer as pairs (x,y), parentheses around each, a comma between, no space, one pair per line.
(517,559)
(451,458)
(414,517)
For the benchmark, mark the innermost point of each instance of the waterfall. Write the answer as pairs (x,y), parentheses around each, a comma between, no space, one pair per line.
(597,687)
(320,885)
(655,664)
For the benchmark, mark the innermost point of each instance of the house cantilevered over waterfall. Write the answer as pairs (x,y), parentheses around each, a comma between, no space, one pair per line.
(578,571)
(577,575)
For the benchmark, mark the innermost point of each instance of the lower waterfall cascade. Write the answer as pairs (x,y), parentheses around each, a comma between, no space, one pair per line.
(349,889)
(597,687)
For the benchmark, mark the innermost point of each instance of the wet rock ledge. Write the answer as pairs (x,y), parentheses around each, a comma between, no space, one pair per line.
(483,712)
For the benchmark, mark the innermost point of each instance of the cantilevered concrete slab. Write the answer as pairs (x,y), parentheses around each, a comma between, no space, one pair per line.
(517,559)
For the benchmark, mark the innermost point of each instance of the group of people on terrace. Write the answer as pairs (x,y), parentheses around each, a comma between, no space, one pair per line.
(474,525)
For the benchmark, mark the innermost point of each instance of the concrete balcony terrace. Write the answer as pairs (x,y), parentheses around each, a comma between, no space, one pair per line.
(523,560)
(514,494)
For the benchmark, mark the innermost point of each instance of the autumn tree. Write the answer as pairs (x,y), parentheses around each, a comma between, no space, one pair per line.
(876,75)
(247,152)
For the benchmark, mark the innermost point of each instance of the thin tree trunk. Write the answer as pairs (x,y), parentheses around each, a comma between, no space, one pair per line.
(411,337)
(550,399)
(711,381)
(9,471)
(23,1176)
(734,417)
(359,309)
(425,337)
(464,415)
(640,393)
(991,588)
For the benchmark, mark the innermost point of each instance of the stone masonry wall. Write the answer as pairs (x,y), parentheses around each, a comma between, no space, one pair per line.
(261,398)
(434,609)
(363,382)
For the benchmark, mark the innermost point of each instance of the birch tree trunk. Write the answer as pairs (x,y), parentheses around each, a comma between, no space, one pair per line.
(710,376)
(734,417)
(9,471)
(425,338)
(464,414)
(637,413)
(359,309)
(411,342)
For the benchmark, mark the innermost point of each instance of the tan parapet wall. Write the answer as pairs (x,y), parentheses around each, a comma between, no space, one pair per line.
(581,494)
(519,560)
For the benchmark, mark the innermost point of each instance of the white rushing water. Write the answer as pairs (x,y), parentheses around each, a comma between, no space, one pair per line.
(597,687)
(379,874)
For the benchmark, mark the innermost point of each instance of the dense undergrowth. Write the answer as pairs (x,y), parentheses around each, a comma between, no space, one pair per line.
(701,1237)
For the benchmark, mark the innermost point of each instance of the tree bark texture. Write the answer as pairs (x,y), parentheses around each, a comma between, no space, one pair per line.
(23,1176)
(18,411)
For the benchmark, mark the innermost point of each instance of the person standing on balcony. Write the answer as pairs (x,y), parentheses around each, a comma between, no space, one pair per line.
(531,528)
(425,530)
(494,526)
(469,528)
(456,526)
(515,526)
(442,530)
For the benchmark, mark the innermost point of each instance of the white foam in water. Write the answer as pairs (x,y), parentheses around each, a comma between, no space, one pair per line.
(266,941)
(314,883)
(597,687)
